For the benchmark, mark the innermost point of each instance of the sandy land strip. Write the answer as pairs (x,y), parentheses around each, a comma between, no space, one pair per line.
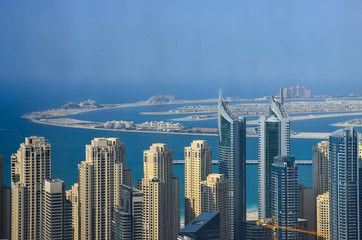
(346,125)
(66,112)
(252,216)
(73,123)
(174,113)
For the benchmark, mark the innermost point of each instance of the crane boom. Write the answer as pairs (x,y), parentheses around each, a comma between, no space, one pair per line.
(265,224)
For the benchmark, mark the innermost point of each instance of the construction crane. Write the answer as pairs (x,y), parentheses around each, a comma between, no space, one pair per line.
(265,224)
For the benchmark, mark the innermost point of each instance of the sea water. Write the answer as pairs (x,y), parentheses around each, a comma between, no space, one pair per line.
(68,144)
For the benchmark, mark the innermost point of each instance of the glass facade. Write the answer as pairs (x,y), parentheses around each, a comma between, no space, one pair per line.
(274,140)
(344,184)
(204,227)
(284,193)
(232,162)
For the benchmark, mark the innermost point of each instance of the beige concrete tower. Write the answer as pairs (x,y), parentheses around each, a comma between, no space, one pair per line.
(100,180)
(360,149)
(29,167)
(198,160)
(161,205)
(323,214)
(214,197)
(72,195)
(321,167)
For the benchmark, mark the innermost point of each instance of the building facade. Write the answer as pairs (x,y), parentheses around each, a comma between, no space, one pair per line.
(274,140)
(29,167)
(100,179)
(307,206)
(56,211)
(232,162)
(198,162)
(321,167)
(323,216)
(284,195)
(127,218)
(5,205)
(72,195)
(161,205)
(344,188)
(214,197)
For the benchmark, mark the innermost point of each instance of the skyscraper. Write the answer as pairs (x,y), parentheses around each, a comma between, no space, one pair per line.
(29,167)
(161,205)
(232,161)
(307,206)
(198,160)
(127,218)
(214,197)
(56,211)
(100,179)
(343,189)
(284,195)
(360,149)
(320,167)
(274,138)
(73,196)
(323,213)
(5,205)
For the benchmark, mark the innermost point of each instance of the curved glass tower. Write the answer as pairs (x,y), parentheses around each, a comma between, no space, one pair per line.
(274,138)
(232,164)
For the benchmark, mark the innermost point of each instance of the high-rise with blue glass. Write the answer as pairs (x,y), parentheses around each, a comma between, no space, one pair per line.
(232,163)
(274,138)
(284,195)
(344,184)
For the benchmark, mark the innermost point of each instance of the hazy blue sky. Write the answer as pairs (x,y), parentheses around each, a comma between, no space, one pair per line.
(115,49)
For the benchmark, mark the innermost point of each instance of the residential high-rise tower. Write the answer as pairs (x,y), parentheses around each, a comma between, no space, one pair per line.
(127,218)
(198,160)
(323,214)
(5,205)
(321,167)
(73,196)
(161,205)
(284,195)
(274,140)
(214,198)
(344,186)
(100,179)
(232,161)
(30,166)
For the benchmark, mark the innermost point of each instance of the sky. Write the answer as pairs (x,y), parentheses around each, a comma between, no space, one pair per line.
(119,51)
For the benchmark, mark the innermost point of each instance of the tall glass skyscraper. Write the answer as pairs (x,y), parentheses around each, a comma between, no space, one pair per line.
(284,195)
(274,138)
(232,163)
(343,184)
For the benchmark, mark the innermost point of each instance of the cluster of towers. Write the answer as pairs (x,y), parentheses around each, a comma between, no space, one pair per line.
(105,205)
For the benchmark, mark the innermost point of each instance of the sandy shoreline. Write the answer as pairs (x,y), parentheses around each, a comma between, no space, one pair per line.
(252,216)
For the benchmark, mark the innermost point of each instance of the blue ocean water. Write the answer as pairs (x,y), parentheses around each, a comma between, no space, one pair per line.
(68,144)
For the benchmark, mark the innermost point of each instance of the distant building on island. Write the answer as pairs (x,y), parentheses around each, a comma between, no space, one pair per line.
(297,92)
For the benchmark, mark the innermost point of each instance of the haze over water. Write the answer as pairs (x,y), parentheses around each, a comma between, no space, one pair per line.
(126,51)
